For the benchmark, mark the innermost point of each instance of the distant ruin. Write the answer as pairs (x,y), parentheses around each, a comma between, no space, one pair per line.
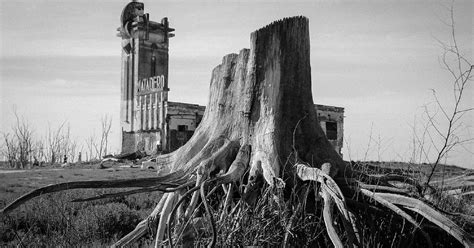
(148,120)
(259,169)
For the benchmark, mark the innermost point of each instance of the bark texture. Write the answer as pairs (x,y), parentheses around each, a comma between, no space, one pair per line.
(262,97)
(260,131)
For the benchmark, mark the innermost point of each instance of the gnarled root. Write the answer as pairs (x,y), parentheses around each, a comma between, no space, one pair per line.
(398,211)
(190,189)
(426,211)
(234,173)
(331,193)
(164,218)
(259,100)
(167,183)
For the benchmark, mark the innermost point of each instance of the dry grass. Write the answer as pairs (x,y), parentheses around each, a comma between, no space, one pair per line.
(52,220)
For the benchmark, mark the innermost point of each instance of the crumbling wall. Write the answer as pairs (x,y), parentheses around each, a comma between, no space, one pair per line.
(331,119)
(140,141)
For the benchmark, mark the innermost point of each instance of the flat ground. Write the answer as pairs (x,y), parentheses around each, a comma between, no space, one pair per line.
(14,183)
(52,220)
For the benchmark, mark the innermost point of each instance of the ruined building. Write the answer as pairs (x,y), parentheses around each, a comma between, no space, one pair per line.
(331,120)
(149,121)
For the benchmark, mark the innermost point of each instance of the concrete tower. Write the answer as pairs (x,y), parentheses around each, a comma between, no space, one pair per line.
(144,84)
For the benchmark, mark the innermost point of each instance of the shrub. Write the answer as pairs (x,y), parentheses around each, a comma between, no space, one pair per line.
(53,221)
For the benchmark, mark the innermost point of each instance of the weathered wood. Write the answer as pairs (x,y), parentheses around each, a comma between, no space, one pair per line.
(430,214)
(259,97)
(163,183)
(398,211)
(261,123)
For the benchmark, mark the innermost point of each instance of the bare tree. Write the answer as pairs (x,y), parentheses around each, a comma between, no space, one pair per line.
(419,151)
(55,142)
(261,147)
(10,149)
(106,124)
(381,145)
(72,150)
(92,151)
(96,149)
(68,145)
(65,142)
(447,127)
(19,144)
(40,150)
(24,139)
(369,141)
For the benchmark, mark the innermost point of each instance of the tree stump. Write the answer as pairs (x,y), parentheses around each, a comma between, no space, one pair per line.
(260,130)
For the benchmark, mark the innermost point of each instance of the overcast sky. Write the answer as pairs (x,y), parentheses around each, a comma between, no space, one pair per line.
(60,61)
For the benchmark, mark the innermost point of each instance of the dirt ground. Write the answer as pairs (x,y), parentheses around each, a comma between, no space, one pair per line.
(14,183)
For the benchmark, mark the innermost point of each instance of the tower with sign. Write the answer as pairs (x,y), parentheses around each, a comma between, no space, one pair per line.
(149,122)
(144,83)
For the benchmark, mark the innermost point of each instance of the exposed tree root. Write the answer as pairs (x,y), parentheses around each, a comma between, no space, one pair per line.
(388,200)
(164,218)
(175,208)
(260,135)
(430,214)
(209,213)
(463,179)
(331,193)
(165,183)
(328,220)
(380,188)
(398,211)
(142,227)
(125,193)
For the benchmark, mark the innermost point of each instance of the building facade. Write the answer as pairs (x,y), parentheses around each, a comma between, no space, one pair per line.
(151,123)
(331,119)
